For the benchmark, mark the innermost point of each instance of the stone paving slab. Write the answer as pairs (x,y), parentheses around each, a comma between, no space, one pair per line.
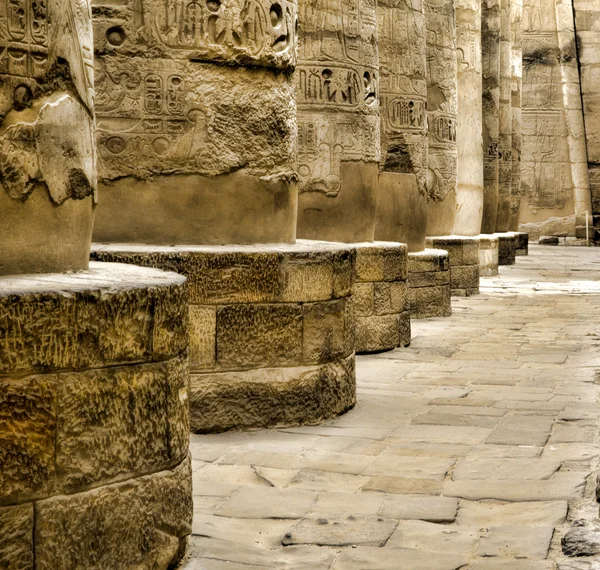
(477,447)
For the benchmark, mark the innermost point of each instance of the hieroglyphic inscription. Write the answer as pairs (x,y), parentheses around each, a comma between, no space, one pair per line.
(441,89)
(258,31)
(337,90)
(542,159)
(403,87)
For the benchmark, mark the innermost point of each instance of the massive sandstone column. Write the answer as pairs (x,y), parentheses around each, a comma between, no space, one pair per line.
(469,198)
(441,111)
(47,154)
(196,120)
(505,140)
(490,55)
(403,94)
(337,81)
(94,432)
(554,174)
(516,89)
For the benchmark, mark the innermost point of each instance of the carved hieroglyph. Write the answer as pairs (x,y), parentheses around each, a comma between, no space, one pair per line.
(505,140)
(469,197)
(490,55)
(554,167)
(440,19)
(47,151)
(337,81)
(213,144)
(403,92)
(516,12)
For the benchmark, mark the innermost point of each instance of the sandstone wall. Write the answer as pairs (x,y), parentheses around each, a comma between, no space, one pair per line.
(47,152)
(196,121)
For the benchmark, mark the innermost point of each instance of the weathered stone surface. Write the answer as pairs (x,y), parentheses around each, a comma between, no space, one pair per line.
(421,507)
(463,255)
(488,255)
(377,559)
(381,261)
(521,513)
(337,81)
(328,333)
(548,240)
(429,282)
(347,531)
(507,248)
(47,196)
(442,72)
(380,333)
(516,542)
(516,47)
(271,397)
(268,502)
(583,539)
(16,537)
(142,522)
(196,126)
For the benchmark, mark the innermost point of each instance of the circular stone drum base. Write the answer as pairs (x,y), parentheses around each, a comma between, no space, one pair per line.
(507,248)
(380,296)
(522,243)
(429,284)
(463,254)
(488,254)
(271,331)
(94,431)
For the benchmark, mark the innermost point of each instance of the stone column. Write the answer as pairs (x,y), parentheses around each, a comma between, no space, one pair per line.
(505,141)
(469,198)
(94,424)
(441,111)
(403,94)
(196,120)
(516,14)
(490,55)
(47,193)
(337,81)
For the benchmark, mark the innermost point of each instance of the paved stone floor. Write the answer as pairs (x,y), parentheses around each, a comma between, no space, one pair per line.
(476,448)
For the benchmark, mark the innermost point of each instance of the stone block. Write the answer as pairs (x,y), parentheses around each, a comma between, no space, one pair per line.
(363,299)
(272,396)
(465,277)
(427,261)
(171,321)
(307,277)
(16,537)
(507,247)
(178,404)
(523,242)
(399,296)
(140,523)
(111,422)
(27,437)
(326,335)
(427,302)
(381,261)
(344,272)
(203,336)
(377,333)
(259,335)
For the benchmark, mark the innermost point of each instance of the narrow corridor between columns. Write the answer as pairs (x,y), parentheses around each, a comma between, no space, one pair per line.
(476,448)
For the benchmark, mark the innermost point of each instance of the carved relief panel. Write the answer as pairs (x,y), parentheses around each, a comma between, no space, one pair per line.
(337,90)
(256,32)
(441,87)
(403,86)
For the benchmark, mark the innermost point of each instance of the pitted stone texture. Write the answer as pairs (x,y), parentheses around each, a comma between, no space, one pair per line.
(522,247)
(196,121)
(429,284)
(93,391)
(47,149)
(380,299)
(488,255)
(272,332)
(463,254)
(507,248)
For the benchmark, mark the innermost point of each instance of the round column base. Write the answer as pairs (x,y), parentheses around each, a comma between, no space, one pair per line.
(489,245)
(429,284)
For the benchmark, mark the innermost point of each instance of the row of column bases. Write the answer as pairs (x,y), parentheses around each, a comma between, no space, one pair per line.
(99,369)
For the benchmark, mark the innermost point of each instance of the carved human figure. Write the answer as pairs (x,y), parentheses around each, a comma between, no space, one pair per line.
(440,17)
(193,151)
(469,197)
(490,47)
(403,92)
(337,82)
(47,152)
